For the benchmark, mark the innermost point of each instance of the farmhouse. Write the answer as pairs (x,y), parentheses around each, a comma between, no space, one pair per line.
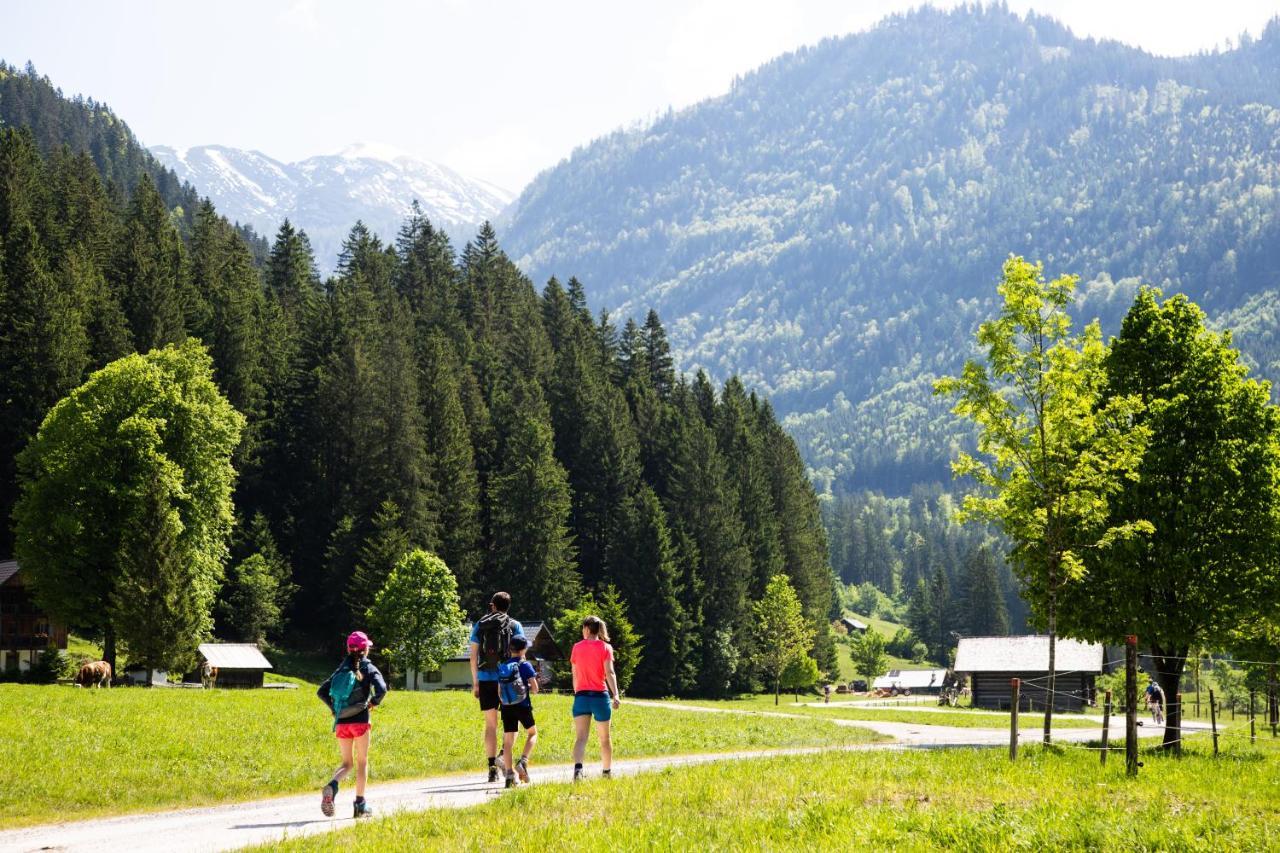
(25,630)
(238,664)
(992,661)
(456,672)
(927,681)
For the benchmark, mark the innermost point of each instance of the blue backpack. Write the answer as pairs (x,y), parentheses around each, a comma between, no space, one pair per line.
(511,687)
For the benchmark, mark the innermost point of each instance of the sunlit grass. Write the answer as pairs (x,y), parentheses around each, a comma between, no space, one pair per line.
(957,799)
(78,753)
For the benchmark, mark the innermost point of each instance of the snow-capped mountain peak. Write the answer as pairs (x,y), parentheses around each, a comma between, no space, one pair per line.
(325,195)
(374,151)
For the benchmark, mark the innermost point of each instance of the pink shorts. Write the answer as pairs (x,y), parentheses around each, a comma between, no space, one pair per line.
(351,731)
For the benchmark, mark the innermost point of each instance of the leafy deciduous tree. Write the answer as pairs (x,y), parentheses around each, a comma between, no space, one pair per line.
(1057,449)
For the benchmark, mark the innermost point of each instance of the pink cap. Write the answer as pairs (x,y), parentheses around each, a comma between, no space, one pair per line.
(359,640)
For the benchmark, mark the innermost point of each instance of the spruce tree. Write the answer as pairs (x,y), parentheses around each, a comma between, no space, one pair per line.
(657,354)
(291,275)
(532,554)
(982,599)
(451,464)
(642,562)
(44,348)
(148,270)
(705,503)
(743,450)
(382,549)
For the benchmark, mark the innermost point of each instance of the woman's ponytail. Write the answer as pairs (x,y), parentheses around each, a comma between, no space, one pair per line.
(597,627)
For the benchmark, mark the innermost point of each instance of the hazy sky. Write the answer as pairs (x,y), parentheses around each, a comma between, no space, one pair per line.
(497,90)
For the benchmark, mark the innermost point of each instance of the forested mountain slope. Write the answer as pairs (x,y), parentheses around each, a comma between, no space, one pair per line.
(831,229)
(419,398)
(84,125)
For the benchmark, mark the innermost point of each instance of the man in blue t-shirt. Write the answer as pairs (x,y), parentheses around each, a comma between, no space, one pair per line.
(489,646)
(519,683)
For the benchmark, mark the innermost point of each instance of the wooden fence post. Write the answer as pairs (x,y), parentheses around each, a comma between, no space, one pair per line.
(1272,711)
(1177,744)
(1213,720)
(1131,705)
(1106,727)
(1253,732)
(1014,685)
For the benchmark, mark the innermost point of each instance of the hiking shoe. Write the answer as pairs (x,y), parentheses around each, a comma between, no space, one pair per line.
(606,774)
(362,810)
(493,774)
(326,800)
(522,770)
(511,780)
(577,774)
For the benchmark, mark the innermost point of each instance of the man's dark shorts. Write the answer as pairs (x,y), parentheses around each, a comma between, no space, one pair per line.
(488,695)
(515,716)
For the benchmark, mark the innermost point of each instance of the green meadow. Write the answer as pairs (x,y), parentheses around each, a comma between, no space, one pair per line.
(956,799)
(86,753)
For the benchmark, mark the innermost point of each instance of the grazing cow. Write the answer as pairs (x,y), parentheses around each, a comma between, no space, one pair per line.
(208,675)
(95,674)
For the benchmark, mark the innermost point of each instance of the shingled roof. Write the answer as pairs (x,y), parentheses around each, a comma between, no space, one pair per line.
(234,656)
(1026,654)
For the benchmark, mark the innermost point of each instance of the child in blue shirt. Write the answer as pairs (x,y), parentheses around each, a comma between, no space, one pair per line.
(518,680)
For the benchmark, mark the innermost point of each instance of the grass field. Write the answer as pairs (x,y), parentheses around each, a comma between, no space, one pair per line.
(958,799)
(91,752)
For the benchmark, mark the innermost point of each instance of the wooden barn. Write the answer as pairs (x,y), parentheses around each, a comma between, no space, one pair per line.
(238,664)
(25,631)
(456,672)
(852,626)
(991,662)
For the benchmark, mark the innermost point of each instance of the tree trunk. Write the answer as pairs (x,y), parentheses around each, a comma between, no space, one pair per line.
(1168,665)
(1053,649)
(777,690)
(109,648)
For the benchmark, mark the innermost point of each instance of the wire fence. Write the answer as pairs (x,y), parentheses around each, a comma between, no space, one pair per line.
(1163,708)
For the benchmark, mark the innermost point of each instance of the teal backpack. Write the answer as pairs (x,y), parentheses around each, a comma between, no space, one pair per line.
(511,687)
(341,685)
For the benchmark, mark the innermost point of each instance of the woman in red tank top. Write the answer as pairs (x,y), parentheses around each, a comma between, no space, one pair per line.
(595,692)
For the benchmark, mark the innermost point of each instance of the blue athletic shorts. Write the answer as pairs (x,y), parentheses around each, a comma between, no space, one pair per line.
(593,702)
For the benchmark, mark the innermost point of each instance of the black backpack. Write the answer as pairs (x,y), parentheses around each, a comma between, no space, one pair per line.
(495,639)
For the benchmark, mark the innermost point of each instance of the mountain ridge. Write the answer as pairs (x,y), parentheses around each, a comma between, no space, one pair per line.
(324,194)
(832,227)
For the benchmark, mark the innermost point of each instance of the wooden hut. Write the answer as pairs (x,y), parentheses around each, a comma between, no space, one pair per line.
(25,630)
(852,626)
(238,664)
(991,662)
(456,672)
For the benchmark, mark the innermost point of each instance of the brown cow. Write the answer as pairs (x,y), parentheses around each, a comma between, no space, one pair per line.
(95,674)
(208,675)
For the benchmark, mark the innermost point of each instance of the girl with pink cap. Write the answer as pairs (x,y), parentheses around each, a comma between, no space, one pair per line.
(354,688)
